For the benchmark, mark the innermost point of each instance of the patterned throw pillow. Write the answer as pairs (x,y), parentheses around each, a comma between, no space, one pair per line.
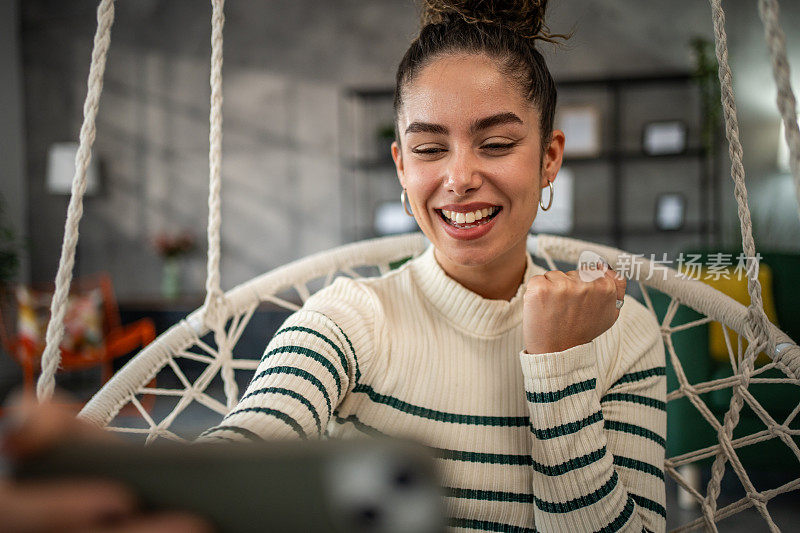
(83,322)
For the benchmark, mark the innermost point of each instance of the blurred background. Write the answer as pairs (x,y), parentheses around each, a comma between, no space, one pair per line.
(307,88)
(307,126)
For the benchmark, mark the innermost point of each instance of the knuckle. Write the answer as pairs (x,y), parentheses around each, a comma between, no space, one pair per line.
(611,286)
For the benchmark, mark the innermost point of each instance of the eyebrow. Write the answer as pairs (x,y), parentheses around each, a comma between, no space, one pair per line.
(480,124)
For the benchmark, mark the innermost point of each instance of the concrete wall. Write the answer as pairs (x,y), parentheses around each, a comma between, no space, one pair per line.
(286,63)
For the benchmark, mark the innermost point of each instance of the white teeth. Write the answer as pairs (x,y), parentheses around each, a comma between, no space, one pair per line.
(469,218)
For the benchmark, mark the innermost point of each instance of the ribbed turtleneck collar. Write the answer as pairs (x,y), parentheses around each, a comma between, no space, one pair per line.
(463,308)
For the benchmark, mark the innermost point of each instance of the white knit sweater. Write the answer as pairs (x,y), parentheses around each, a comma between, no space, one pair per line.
(567,441)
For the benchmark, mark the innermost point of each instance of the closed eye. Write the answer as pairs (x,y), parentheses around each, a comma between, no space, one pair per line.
(428,150)
(498,146)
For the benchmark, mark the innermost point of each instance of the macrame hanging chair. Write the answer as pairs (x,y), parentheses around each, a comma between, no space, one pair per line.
(207,338)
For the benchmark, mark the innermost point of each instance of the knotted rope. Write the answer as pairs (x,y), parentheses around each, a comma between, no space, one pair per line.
(51,357)
(787,104)
(758,328)
(216,311)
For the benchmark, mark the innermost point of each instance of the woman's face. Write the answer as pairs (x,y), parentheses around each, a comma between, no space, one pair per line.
(471,160)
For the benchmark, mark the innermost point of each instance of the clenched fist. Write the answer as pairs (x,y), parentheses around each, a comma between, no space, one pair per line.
(560,310)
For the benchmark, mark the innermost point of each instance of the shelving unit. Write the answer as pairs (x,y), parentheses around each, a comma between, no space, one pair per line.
(615,192)
(663,97)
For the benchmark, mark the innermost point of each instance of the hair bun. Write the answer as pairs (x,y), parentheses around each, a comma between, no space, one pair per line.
(524,17)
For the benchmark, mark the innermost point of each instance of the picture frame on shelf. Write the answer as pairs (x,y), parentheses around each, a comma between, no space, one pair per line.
(664,137)
(670,211)
(581,127)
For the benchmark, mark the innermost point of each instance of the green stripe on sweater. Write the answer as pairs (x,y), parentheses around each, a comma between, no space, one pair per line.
(616,524)
(359,425)
(580,502)
(488,495)
(572,464)
(443,453)
(321,359)
(272,412)
(498,458)
(548,397)
(641,466)
(288,392)
(634,398)
(352,350)
(640,375)
(332,344)
(633,429)
(649,504)
(441,416)
(299,373)
(234,429)
(482,457)
(483,525)
(566,429)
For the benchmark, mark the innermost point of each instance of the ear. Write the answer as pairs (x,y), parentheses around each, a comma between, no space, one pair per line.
(397,155)
(553,157)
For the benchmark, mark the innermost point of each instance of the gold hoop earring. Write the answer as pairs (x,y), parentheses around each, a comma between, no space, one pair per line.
(403,201)
(550,183)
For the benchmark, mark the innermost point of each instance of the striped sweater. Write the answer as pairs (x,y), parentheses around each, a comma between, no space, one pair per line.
(567,441)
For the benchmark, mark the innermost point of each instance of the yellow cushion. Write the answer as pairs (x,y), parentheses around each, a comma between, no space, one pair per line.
(83,320)
(736,288)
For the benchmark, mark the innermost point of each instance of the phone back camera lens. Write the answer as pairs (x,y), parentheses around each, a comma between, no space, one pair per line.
(367,518)
(404,478)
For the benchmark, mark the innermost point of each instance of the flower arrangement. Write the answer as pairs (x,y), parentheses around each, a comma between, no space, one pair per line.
(174,245)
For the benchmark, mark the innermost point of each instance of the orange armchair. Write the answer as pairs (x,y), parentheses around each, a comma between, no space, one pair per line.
(117,339)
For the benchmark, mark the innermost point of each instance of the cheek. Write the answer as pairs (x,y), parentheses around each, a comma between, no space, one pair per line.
(524,186)
(421,183)
(526,194)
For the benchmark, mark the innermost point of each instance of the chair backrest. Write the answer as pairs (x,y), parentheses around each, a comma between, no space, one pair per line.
(191,365)
(99,281)
(286,285)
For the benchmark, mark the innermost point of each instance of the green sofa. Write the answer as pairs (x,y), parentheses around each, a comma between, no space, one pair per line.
(687,430)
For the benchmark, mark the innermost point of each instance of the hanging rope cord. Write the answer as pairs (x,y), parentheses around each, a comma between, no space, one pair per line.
(757,322)
(787,104)
(216,307)
(215,303)
(51,357)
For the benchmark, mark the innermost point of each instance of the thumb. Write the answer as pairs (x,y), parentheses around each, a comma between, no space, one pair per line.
(620,281)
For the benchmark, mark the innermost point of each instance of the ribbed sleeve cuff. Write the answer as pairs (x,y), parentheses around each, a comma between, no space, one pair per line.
(557,364)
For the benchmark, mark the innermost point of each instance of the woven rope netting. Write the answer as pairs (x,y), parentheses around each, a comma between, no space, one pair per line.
(204,353)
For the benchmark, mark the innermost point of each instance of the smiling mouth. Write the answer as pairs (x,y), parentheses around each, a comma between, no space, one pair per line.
(469,220)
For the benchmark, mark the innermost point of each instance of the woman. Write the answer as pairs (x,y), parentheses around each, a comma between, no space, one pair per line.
(541,397)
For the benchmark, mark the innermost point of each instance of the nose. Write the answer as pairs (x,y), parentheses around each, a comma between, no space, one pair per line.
(463,175)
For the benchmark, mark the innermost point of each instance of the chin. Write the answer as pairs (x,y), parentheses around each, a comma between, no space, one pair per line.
(469,255)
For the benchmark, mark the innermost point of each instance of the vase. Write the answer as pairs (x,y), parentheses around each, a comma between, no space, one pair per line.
(171,278)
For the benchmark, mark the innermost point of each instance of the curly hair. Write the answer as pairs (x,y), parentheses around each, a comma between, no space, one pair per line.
(506,31)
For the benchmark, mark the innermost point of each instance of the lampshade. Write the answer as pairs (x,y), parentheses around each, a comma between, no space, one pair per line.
(61,169)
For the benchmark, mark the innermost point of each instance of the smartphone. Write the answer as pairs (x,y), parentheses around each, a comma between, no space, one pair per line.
(342,485)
